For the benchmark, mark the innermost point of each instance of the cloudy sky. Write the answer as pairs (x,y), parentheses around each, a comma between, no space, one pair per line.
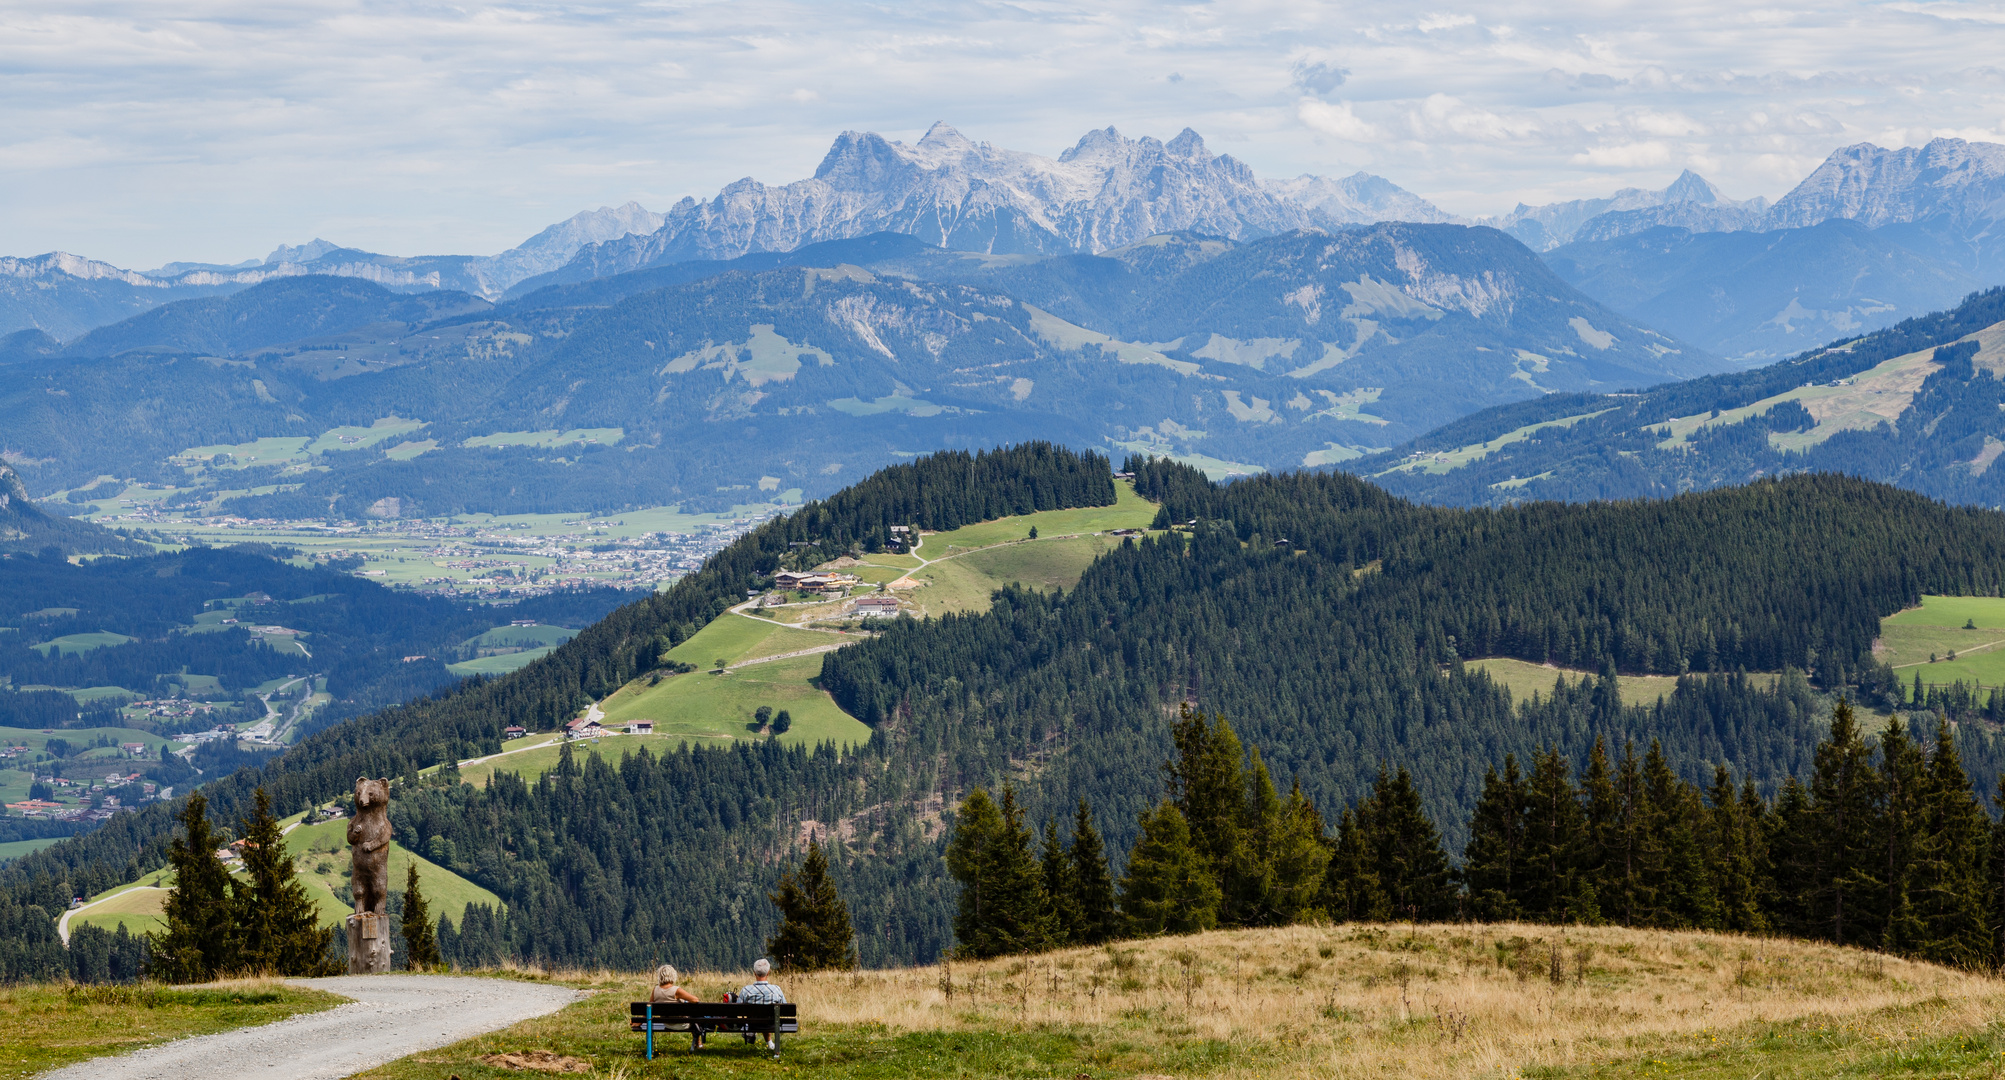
(139,132)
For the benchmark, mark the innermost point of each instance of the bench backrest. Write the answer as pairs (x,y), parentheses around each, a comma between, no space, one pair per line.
(711,1012)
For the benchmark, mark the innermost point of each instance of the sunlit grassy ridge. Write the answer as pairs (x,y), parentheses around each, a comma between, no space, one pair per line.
(1352,1000)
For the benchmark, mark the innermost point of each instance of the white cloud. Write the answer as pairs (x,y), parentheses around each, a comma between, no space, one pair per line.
(1626,156)
(216,129)
(1337,120)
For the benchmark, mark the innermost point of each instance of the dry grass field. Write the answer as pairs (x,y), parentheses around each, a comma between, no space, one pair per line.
(1343,1001)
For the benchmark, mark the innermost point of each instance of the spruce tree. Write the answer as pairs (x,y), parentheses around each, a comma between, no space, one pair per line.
(277,924)
(1903,775)
(1995,883)
(1003,909)
(1250,899)
(1300,858)
(1493,860)
(1207,785)
(1672,857)
(1950,870)
(1556,846)
(1734,840)
(814,933)
(1056,865)
(1411,866)
(199,943)
(1169,887)
(1093,885)
(1842,843)
(1351,888)
(421,944)
(1796,854)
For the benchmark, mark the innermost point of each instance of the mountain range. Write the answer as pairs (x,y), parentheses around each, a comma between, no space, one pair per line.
(797,370)
(1920,404)
(1929,210)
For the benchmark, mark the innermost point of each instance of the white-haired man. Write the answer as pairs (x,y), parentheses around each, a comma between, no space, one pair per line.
(761,992)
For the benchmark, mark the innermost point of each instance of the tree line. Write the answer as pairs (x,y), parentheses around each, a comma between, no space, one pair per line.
(1886,846)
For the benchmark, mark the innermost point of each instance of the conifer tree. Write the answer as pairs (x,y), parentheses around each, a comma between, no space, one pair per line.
(1672,856)
(1622,888)
(814,933)
(1840,846)
(1795,859)
(421,943)
(1056,865)
(1093,885)
(1995,883)
(200,941)
(1950,871)
(1169,887)
(1207,785)
(277,925)
(1493,860)
(1903,774)
(1300,859)
(1556,846)
(1734,838)
(1351,888)
(1003,909)
(1411,866)
(1601,804)
(1250,899)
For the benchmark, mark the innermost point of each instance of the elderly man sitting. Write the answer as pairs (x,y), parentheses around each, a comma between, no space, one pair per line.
(761,992)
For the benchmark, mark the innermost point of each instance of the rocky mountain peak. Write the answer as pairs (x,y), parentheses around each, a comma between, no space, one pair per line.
(1950,178)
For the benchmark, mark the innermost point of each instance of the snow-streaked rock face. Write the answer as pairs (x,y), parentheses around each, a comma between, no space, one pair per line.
(1359,199)
(63,264)
(1949,178)
(1691,201)
(1103,193)
(554,246)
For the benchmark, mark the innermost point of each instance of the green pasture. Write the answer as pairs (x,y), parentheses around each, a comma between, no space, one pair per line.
(14,849)
(1921,639)
(735,638)
(78,644)
(326,845)
(500,665)
(1953,611)
(139,910)
(1524,679)
(604,436)
(965,582)
(362,438)
(519,637)
(1130,511)
(33,739)
(701,705)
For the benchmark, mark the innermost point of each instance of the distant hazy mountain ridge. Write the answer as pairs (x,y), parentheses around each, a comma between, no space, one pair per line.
(1105,192)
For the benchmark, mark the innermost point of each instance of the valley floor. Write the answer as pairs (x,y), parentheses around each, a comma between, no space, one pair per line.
(1348,1000)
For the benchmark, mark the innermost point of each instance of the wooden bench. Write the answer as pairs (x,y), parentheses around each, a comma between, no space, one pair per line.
(700,1018)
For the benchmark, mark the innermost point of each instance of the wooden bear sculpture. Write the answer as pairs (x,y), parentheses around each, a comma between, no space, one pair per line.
(369,842)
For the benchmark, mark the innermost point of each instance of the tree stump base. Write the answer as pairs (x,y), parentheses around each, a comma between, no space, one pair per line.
(368,944)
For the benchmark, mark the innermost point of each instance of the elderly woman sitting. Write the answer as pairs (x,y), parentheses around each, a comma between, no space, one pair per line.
(666,988)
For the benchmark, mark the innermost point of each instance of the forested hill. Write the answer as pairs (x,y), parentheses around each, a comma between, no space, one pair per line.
(1920,404)
(1327,619)
(942,491)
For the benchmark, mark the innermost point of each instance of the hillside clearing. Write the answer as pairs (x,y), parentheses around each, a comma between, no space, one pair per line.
(966,582)
(1318,1001)
(1130,511)
(321,859)
(1922,639)
(1524,679)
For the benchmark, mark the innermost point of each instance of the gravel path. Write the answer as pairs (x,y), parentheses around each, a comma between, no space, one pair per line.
(391,1016)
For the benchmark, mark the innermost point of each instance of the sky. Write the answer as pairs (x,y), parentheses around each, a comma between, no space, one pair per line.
(139,133)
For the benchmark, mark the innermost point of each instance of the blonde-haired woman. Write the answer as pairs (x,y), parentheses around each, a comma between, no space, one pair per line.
(667,989)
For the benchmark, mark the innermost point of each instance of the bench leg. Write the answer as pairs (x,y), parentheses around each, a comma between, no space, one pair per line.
(650,1032)
(774,1046)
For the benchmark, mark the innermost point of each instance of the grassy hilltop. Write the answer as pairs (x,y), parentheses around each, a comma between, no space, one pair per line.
(1504,1000)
